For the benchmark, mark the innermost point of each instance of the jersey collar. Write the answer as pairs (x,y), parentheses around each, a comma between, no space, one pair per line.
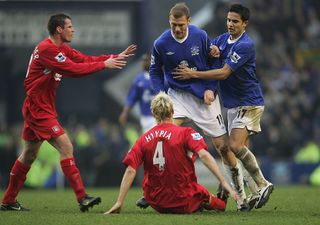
(183,39)
(235,40)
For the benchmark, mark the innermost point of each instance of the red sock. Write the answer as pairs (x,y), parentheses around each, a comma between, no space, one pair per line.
(216,204)
(17,178)
(72,173)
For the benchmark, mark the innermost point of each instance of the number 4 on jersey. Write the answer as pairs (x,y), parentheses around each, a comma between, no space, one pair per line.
(158,156)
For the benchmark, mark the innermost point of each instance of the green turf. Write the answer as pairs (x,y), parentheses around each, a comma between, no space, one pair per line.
(287,205)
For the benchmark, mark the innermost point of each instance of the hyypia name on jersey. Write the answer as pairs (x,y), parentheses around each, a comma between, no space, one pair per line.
(161,133)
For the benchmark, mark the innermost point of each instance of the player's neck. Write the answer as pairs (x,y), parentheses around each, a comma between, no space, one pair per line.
(56,40)
(234,38)
(167,120)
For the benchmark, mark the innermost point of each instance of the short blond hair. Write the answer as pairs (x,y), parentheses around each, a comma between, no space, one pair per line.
(162,107)
(179,10)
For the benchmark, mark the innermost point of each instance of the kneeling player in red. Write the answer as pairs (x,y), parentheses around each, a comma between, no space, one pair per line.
(168,153)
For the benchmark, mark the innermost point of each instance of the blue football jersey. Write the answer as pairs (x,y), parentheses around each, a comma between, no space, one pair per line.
(241,88)
(168,54)
(141,92)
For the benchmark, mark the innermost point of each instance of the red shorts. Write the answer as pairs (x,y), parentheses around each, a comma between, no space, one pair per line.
(43,129)
(196,197)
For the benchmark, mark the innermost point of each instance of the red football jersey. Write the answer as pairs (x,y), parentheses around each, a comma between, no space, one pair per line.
(167,152)
(48,64)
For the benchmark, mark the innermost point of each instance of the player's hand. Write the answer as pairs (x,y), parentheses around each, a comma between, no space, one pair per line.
(123,119)
(209,97)
(129,51)
(116,208)
(115,63)
(214,51)
(182,73)
(229,190)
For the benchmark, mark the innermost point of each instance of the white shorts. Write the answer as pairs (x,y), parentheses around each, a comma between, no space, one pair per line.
(245,117)
(147,122)
(206,117)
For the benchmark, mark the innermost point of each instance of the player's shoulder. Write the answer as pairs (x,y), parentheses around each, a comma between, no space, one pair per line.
(195,135)
(195,29)
(195,33)
(189,129)
(186,130)
(245,42)
(222,38)
(45,44)
(162,39)
(47,47)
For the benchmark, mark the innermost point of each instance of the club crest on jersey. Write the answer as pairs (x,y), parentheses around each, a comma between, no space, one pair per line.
(60,57)
(195,50)
(57,77)
(55,129)
(196,136)
(235,57)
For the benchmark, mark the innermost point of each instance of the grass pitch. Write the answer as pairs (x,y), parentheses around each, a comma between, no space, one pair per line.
(288,205)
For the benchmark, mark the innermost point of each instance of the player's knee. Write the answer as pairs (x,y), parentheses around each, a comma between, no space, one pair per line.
(220,144)
(224,150)
(235,146)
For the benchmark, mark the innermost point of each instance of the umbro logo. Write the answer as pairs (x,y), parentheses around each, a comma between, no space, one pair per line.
(169,53)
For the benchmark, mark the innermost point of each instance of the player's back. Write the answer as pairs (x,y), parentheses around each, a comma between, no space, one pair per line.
(168,163)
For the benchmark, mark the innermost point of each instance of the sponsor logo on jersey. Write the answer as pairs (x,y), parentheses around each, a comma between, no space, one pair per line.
(169,53)
(235,57)
(60,57)
(184,63)
(195,50)
(196,136)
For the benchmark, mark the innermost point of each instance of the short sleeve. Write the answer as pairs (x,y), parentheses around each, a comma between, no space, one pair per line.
(194,141)
(134,157)
(239,55)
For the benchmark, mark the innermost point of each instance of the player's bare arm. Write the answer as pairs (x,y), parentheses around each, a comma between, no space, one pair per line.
(185,73)
(211,164)
(126,182)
